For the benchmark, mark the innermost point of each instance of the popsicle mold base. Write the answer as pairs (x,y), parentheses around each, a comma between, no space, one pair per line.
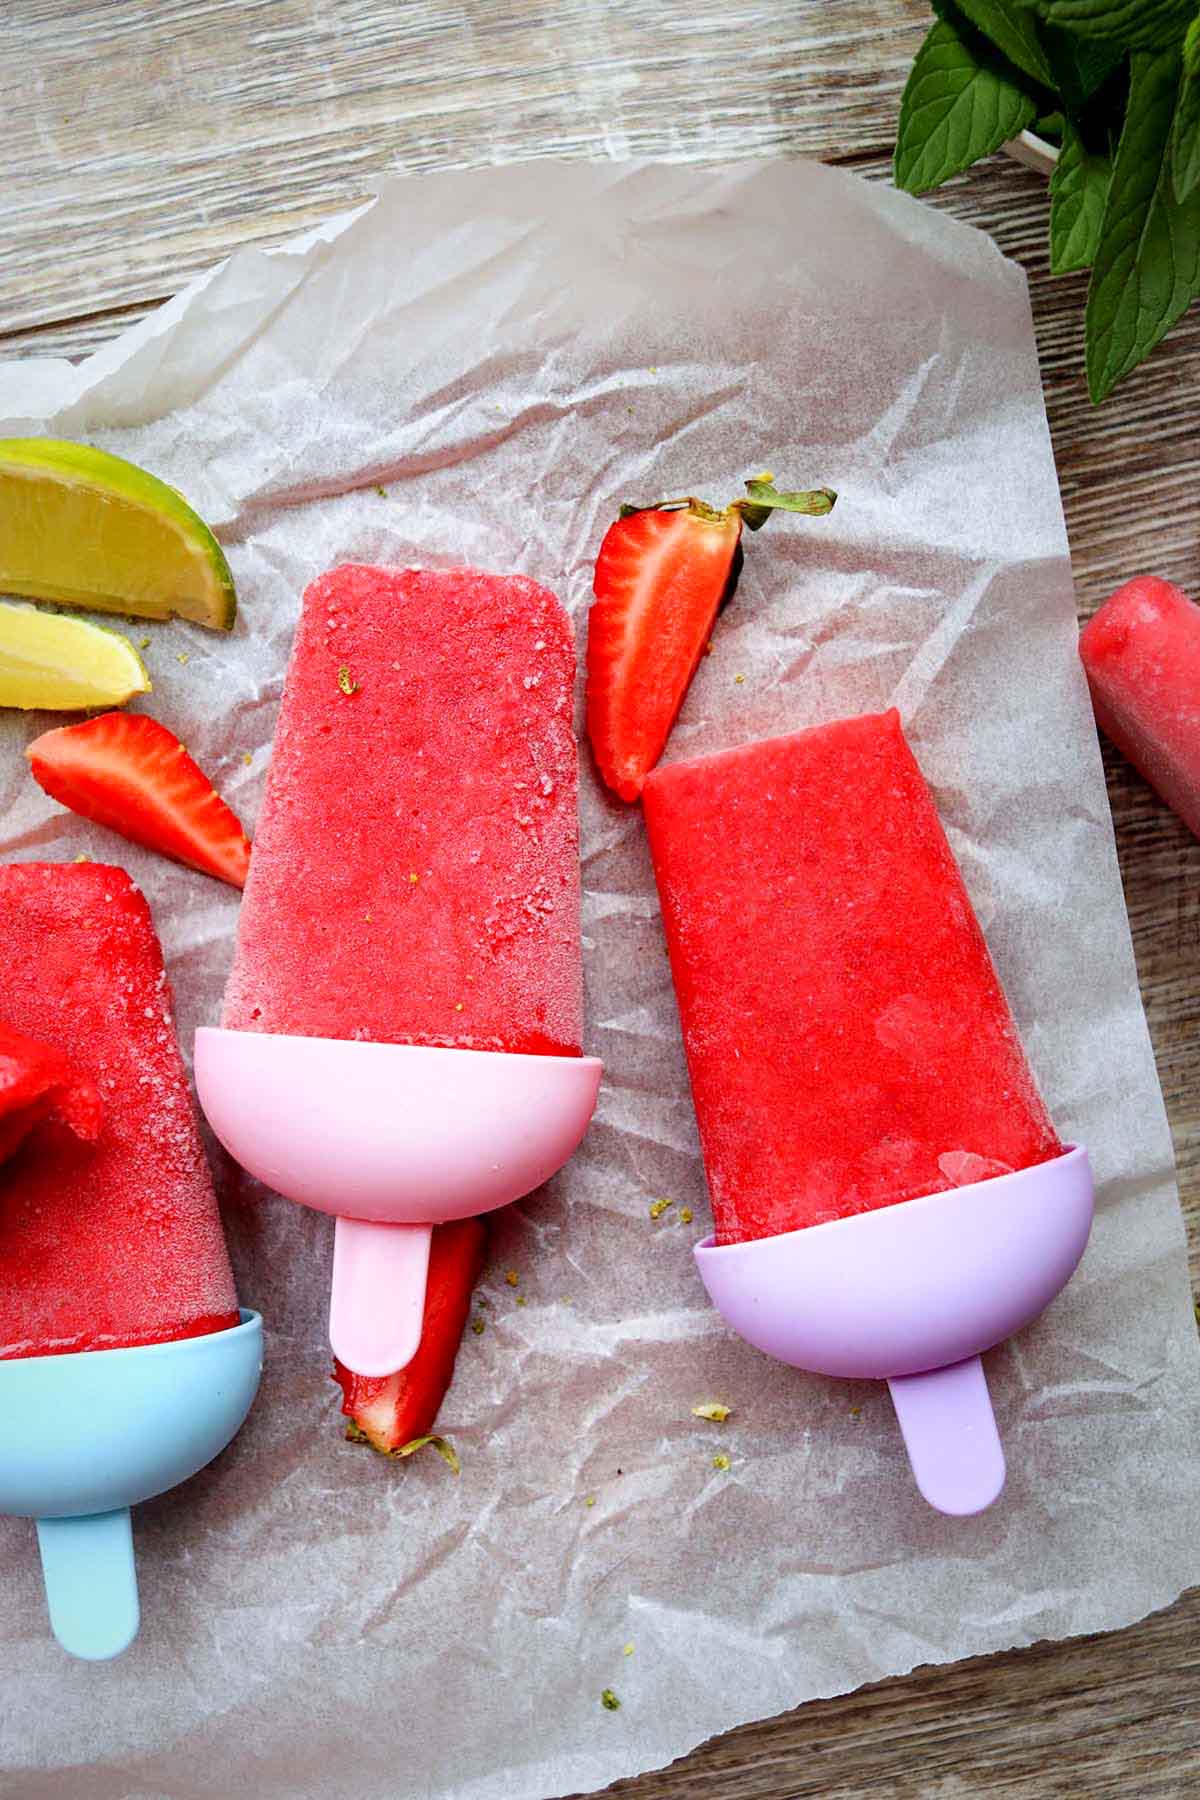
(85,1436)
(912,1294)
(392,1139)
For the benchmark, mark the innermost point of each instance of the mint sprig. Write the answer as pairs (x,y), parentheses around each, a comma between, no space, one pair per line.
(956,108)
(1147,263)
(1116,84)
(1185,133)
(1078,195)
(1014,31)
(1139,24)
(1079,65)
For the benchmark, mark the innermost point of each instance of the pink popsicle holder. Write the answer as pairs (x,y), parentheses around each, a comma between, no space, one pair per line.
(392,1139)
(912,1295)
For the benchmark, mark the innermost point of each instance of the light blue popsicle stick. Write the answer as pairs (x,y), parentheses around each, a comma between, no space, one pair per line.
(91,1582)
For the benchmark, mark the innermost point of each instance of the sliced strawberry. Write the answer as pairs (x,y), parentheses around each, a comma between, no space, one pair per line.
(392,1410)
(659,580)
(662,575)
(37,1080)
(128,772)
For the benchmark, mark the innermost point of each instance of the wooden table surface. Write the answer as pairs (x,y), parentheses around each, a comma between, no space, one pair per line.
(142,142)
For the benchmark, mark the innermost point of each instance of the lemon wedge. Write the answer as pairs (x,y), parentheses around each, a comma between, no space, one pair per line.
(65,665)
(88,529)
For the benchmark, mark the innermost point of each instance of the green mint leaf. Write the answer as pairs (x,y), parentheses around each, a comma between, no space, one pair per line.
(1191,48)
(1078,191)
(1013,30)
(955,109)
(1147,263)
(1140,24)
(1080,64)
(1185,138)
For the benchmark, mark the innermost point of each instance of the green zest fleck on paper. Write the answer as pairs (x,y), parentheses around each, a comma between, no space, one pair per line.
(346,682)
(712,1409)
(659,1207)
(609,1701)
(721,1461)
(443,1446)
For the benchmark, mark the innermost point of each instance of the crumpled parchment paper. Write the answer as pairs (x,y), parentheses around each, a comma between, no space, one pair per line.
(508,354)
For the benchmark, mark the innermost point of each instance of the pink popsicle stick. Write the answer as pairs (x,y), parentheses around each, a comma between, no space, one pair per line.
(378,1300)
(950,1434)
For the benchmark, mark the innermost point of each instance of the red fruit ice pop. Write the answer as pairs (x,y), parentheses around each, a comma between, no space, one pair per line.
(415,877)
(401,1036)
(1142,656)
(117,1241)
(848,1040)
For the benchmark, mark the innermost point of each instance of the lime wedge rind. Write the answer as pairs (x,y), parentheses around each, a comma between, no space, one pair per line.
(55,663)
(84,528)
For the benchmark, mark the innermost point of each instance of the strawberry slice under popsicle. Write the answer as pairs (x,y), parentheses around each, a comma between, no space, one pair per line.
(37,1081)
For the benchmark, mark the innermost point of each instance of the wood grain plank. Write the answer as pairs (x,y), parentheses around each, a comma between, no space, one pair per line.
(148,141)
(1109,1718)
(78,337)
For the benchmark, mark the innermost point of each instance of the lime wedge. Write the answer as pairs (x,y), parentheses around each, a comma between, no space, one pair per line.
(65,665)
(89,529)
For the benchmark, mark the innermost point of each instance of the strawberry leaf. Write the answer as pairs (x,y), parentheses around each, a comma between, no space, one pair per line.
(765,498)
(956,108)
(1078,191)
(443,1446)
(1147,263)
(1140,24)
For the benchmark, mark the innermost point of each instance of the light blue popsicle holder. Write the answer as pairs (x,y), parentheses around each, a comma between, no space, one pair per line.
(84,1437)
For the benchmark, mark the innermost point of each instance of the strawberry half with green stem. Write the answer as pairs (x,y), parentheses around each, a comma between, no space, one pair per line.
(128,772)
(36,1080)
(389,1411)
(662,575)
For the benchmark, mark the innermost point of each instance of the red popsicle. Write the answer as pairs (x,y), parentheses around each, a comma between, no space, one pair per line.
(114,1242)
(1142,656)
(415,876)
(848,1040)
